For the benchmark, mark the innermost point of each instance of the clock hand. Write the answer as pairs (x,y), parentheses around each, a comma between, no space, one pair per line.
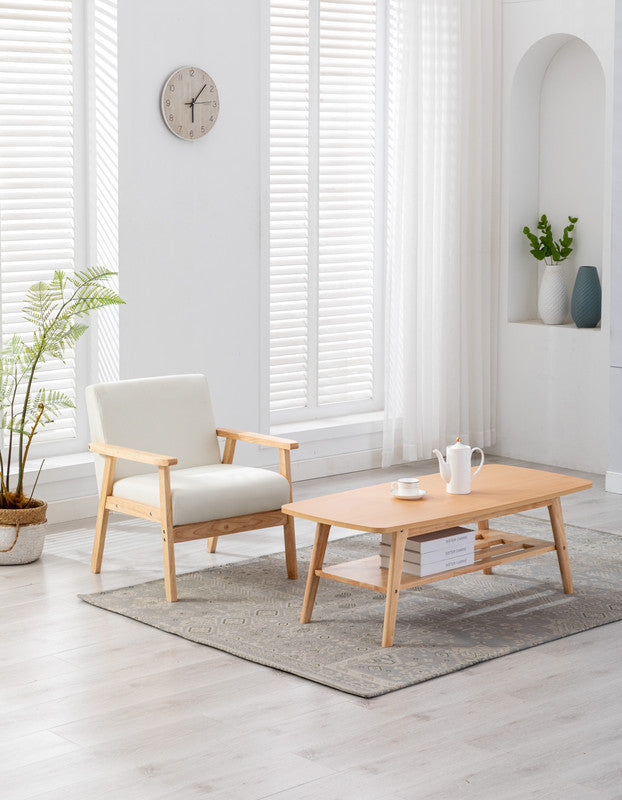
(197,97)
(193,101)
(191,104)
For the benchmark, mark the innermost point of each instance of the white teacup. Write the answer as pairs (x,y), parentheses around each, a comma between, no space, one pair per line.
(407,487)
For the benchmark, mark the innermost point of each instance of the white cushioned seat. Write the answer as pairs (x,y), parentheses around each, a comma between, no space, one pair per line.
(212,491)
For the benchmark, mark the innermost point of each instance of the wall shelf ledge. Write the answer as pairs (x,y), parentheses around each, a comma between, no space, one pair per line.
(566,326)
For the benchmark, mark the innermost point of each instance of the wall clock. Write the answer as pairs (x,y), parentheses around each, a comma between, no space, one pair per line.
(190,103)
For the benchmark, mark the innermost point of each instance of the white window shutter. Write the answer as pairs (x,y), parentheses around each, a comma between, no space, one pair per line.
(323,176)
(346,200)
(289,203)
(36,168)
(104,177)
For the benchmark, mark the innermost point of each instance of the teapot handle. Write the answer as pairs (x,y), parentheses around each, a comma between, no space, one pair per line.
(481,463)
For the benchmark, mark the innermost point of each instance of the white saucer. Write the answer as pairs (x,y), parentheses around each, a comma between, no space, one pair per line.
(422,493)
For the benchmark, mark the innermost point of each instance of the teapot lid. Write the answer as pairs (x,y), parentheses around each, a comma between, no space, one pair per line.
(459,446)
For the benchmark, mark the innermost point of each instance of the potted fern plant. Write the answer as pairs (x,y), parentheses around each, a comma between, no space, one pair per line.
(55,313)
(553,297)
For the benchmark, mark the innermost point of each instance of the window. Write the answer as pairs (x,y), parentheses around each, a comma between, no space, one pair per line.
(325,179)
(37,188)
(47,84)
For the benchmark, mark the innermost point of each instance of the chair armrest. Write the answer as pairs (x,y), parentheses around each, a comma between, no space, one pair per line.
(117,451)
(257,438)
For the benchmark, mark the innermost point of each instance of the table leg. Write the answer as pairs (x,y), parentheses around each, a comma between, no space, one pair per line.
(317,560)
(559,534)
(396,561)
(484,525)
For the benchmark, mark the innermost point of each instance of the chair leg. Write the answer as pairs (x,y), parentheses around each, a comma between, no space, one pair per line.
(100,540)
(102,515)
(290,548)
(170,579)
(211,544)
(168,535)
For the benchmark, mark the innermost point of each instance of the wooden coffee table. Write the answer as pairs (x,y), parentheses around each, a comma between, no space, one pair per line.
(498,490)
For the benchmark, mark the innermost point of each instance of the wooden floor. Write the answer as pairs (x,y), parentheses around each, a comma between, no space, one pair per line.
(94,706)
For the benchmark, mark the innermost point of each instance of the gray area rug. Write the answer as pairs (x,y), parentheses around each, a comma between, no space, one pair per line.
(251,610)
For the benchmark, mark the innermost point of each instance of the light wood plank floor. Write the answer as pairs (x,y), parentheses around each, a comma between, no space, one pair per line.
(98,707)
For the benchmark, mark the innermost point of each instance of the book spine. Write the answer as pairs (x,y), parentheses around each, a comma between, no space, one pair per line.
(415,557)
(442,544)
(431,545)
(422,571)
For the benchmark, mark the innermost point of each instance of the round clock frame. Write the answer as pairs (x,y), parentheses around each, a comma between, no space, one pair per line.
(189,103)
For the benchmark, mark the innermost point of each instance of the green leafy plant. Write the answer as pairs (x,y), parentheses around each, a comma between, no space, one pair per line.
(544,247)
(54,311)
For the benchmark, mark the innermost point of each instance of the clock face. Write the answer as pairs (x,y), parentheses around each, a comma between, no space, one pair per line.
(190,103)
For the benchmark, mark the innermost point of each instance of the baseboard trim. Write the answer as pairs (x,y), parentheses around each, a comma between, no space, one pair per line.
(613,482)
(307,469)
(73,508)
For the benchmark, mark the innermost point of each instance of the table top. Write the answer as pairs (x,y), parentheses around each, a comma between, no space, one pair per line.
(497,490)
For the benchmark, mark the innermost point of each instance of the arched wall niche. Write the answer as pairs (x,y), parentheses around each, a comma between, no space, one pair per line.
(556,163)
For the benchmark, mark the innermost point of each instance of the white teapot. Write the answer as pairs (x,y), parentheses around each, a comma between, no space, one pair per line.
(456,471)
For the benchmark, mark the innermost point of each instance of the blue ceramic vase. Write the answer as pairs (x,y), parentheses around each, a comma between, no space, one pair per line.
(586,298)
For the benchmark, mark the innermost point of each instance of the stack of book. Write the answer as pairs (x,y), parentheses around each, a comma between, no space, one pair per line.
(433,552)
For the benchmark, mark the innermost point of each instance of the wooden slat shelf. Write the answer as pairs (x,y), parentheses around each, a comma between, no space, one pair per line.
(492,549)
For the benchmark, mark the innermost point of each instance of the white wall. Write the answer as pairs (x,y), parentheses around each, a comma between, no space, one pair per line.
(572,143)
(553,380)
(190,268)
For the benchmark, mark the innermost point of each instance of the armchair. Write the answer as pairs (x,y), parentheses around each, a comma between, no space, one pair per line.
(190,491)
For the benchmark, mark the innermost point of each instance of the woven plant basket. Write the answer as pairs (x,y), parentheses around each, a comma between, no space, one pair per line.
(22,533)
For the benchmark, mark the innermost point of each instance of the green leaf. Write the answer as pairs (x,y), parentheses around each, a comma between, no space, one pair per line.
(52,311)
(546,246)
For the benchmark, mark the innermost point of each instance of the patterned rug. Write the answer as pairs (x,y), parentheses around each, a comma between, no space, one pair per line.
(250,610)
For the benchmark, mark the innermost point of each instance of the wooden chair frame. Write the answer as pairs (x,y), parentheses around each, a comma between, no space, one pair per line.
(210,530)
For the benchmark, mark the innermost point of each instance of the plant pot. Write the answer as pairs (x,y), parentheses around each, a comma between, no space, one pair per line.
(586,298)
(553,297)
(22,533)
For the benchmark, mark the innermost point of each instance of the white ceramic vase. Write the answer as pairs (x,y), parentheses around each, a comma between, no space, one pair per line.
(553,297)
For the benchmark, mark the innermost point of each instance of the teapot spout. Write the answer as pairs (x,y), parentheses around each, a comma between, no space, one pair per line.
(443,466)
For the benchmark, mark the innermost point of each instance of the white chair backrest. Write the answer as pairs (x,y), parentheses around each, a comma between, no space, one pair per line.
(171,416)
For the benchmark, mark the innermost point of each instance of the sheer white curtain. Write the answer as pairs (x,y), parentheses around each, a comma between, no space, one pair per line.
(443,200)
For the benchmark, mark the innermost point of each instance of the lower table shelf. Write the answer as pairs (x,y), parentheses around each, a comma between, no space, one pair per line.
(491,549)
